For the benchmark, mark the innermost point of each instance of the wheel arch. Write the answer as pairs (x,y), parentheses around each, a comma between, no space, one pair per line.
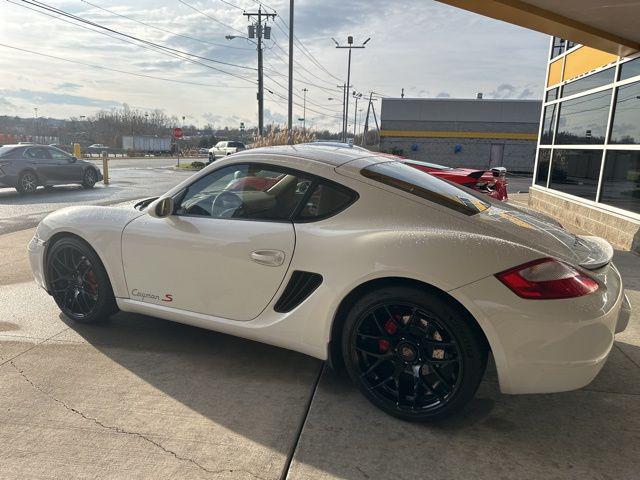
(334,353)
(66,234)
(29,169)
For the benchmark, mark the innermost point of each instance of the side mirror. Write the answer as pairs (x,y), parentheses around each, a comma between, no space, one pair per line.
(73,159)
(161,208)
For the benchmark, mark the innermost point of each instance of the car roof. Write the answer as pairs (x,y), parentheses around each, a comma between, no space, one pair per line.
(334,154)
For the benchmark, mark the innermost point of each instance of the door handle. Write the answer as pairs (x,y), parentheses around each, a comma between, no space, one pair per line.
(270,258)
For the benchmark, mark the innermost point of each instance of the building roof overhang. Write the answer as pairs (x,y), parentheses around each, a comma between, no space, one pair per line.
(610,26)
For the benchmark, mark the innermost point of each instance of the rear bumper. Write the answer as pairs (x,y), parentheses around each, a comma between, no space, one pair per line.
(544,346)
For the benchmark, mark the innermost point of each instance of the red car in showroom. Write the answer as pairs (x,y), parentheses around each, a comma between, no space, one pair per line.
(491,182)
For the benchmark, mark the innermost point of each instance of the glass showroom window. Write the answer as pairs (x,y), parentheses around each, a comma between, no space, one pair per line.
(576,172)
(583,120)
(557,47)
(626,116)
(552,94)
(583,84)
(548,123)
(621,180)
(544,157)
(630,69)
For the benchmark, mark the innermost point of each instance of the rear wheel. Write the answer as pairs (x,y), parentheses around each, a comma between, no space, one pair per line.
(78,281)
(89,179)
(412,354)
(27,182)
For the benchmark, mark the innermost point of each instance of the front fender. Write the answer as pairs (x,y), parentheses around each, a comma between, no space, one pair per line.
(101,228)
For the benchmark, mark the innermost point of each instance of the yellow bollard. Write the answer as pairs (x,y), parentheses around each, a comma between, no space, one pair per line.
(76,150)
(105,167)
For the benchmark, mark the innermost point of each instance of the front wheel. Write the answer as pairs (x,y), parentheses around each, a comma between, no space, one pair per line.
(78,281)
(89,179)
(413,354)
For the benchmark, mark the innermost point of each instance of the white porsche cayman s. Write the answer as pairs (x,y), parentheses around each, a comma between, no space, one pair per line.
(405,279)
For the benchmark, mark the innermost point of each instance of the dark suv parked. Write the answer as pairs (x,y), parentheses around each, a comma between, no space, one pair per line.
(25,167)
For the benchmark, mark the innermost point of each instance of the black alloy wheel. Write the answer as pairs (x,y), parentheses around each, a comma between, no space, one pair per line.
(78,281)
(89,179)
(27,182)
(411,355)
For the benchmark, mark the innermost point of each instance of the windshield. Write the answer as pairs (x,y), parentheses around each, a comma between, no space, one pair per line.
(417,182)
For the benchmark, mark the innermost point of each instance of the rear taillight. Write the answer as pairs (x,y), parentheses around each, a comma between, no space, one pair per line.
(547,279)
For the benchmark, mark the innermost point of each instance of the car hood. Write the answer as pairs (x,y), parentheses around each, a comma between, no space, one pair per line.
(86,220)
(543,235)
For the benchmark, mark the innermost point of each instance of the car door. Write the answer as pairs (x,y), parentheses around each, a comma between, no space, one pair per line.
(225,249)
(68,169)
(45,167)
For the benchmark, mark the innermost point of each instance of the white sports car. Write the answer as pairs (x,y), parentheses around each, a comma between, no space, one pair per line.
(406,280)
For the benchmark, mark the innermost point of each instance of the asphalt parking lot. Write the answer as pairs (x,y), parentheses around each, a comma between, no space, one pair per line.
(145,398)
(130,179)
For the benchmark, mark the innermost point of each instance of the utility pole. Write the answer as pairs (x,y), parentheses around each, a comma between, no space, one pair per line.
(257,30)
(350,46)
(304,109)
(290,100)
(355,114)
(366,120)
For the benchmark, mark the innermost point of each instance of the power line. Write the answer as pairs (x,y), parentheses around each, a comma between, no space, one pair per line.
(102,67)
(167,51)
(232,5)
(305,51)
(163,29)
(210,17)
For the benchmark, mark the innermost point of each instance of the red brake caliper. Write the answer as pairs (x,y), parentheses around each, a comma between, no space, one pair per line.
(92,281)
(391,328)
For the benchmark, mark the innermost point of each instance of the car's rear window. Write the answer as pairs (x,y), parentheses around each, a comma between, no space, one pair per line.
(7,151)
(421,184)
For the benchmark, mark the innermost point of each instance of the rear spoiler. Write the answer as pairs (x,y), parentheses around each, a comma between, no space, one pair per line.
(600,255)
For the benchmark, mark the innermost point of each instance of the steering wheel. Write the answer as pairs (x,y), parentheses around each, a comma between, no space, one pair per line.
(228,202)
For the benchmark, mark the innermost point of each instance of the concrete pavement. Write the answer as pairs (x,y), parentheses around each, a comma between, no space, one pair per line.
(145,398)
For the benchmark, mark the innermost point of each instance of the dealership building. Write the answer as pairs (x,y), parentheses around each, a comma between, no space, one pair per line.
(477,133)
(587,168)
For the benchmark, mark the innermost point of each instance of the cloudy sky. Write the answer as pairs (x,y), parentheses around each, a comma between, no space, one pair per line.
(427,48)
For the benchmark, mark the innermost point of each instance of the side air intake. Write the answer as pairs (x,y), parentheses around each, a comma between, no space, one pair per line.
(300,286)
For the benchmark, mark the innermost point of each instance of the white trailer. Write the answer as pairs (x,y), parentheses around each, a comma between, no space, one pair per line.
(146,143)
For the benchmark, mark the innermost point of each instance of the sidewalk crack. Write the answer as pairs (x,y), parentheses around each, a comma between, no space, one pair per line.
(122,431)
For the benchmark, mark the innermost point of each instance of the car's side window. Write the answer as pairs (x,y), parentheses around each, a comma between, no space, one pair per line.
(37,153)
(245,191)
(325,200)
(58,154)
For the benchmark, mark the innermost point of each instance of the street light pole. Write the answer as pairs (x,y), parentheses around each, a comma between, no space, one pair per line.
(350,46)
(36,125)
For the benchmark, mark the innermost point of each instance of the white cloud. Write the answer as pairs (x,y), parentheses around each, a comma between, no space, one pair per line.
(422,46)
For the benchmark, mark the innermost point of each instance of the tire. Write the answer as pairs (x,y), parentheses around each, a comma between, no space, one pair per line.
(413,354)
(89,178)
(27,182)
(78,281)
